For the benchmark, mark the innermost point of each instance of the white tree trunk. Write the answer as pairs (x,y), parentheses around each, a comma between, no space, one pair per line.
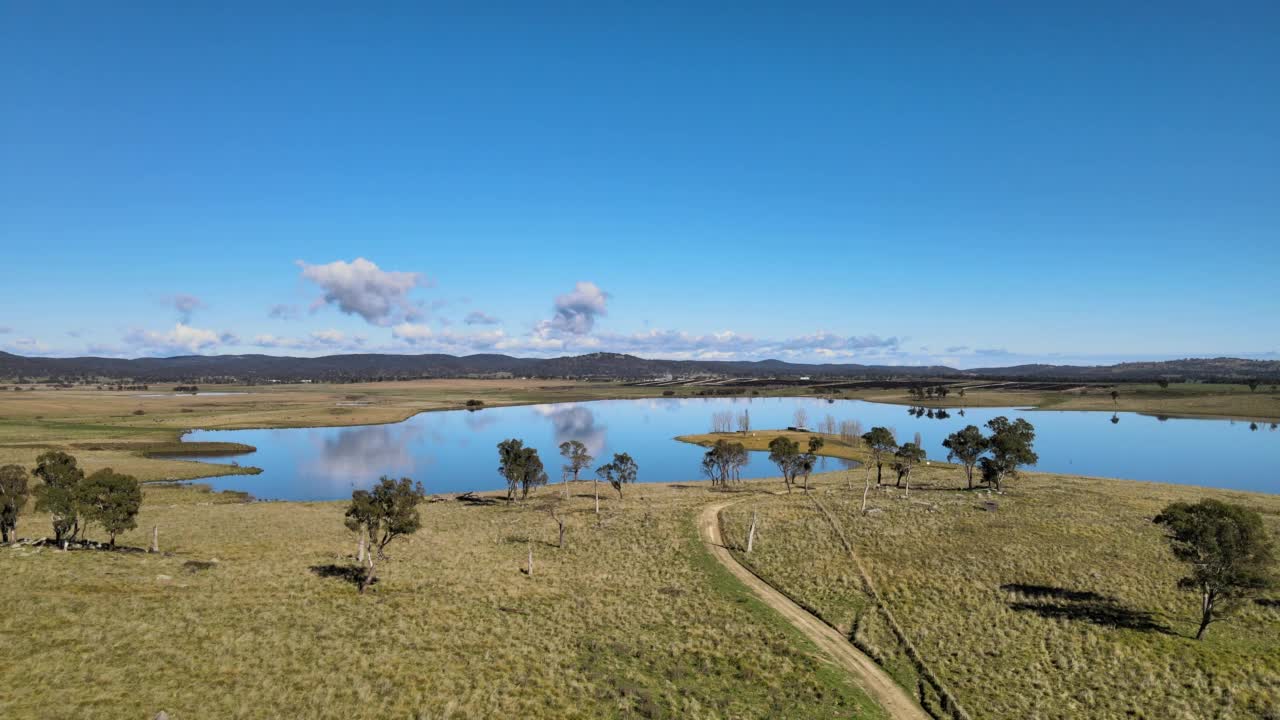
(360,549)
(866,490)
(530,559)
(751,534)
(155,539)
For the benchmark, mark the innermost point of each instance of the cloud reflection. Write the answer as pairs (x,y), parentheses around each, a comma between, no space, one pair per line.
(357,456)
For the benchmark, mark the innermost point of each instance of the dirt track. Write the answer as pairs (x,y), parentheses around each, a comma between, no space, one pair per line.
(866,673)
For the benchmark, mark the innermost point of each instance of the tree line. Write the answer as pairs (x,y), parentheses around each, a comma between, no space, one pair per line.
(74,501)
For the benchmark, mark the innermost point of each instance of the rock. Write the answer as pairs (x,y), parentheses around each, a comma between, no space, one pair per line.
(162,715)
(163,578)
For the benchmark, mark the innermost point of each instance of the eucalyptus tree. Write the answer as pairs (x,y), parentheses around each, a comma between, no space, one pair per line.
(59,492)
(625,471)
(13,497)
(905,459)
(966,445)
(1011,445)
(577,456)
(112,500)
(387,511)
(785,453)
(521,467)
(881,442)
(1227,547)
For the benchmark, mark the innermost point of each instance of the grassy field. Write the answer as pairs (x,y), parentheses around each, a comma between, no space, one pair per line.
(631,619)
(1060,603)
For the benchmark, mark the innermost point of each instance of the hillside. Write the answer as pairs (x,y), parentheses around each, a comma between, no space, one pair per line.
(260,368)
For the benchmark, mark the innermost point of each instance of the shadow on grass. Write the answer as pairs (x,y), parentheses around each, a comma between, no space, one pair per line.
(1273,603)
(1083,605)
(353,574)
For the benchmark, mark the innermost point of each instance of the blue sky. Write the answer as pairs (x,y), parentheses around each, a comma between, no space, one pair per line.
(848,182)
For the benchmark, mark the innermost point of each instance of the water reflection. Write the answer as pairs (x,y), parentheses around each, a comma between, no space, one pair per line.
(365,452)
(575,422)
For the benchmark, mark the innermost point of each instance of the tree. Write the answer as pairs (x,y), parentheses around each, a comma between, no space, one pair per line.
(1253,384)
(1011,446)
(966,445)
(1115,396)
(59,495)
(905,459)
(744,422)
(13,497)
(1163,383)
(810,459)
(625,471)
(521,467)
(576,453)
(112,500)
(1228,550)
(881,442)
(785,453)
(721,462)
(387,511)
(802,417)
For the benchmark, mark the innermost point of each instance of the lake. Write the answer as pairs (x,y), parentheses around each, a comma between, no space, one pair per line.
(456,451)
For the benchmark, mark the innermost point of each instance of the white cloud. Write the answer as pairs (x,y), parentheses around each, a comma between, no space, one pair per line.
(576,312)
(182,337)
(361,288)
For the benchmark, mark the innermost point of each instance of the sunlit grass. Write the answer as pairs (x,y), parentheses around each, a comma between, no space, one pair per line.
(1060,603)
(632,619)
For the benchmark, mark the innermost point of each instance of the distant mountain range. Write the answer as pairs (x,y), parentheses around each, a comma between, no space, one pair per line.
(338,368)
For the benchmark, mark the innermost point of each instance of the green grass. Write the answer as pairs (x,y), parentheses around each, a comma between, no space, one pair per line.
(965,584)
(632,619)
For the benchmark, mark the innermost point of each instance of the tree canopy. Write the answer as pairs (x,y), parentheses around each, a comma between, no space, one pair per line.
(905,459)
(59,493)
(111,500)
(624,471)
(577,456)
(1011,446)
(520,466)
(966,445)
(1227,548)
(881,442)
(384,512)
(13,497)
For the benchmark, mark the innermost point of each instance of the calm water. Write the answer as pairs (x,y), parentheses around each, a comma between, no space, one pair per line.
(455,451)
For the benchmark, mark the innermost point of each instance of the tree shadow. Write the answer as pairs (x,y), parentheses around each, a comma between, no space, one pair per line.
(353,574)
(1056,593)
(1272,603)
(1082,605)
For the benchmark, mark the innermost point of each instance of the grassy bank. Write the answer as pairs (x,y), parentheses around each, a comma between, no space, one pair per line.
(1059,603)
(632,619)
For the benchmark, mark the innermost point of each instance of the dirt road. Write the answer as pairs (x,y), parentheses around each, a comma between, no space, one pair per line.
(869,676)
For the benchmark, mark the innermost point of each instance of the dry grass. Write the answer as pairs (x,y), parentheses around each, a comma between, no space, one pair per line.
(1059,604)
(632,619)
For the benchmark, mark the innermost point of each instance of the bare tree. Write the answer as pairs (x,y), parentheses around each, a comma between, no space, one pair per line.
(829,424)
(744,422)
(722,422)
(801,417)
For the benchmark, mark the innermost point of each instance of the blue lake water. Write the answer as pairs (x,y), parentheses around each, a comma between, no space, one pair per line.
(456,450)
